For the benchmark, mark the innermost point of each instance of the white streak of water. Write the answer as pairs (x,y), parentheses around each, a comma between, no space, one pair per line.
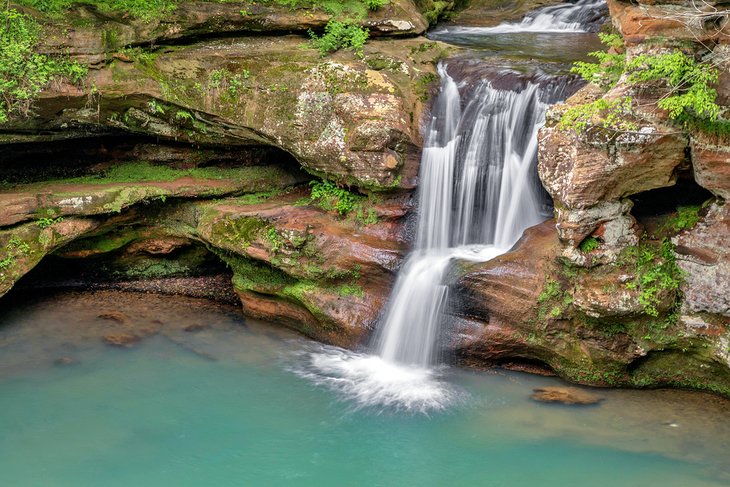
(565,17)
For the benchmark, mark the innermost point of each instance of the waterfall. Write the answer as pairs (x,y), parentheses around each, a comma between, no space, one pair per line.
(478,193)
(581,16)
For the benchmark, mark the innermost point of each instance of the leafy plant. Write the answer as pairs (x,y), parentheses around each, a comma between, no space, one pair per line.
(551,290)
(340,35)
(687,217)
(689,96)
(141,9)
(23,72)
(589,244)
(609,114)
(328,196)
(657,273)
(155,107)
(48,222)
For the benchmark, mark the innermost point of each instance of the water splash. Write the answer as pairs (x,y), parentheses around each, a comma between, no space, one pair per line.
(581,16)
(372,382)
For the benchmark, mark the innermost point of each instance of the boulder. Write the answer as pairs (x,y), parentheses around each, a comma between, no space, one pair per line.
(643,21)
(565,395)
(704,256)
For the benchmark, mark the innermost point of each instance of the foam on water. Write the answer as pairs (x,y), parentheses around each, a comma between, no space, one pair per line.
(372,382)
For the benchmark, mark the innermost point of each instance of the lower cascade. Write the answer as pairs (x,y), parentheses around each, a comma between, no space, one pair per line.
(478,192)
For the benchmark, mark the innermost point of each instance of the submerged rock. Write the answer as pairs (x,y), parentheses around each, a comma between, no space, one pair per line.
(123,340)
(565,395)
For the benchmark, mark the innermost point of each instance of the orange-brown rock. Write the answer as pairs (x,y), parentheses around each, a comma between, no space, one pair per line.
(565,395)
(711,163)
(92,34)
(648,20)
(196,327)
(123,340)
(582,171)
(158,245)
(590,175)
(603,293)
(507,288)
(115,316)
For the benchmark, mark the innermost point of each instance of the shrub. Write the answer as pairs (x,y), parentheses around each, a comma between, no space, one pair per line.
(689,97)
(340,35)
(23,72)
(589,244)
(330,197)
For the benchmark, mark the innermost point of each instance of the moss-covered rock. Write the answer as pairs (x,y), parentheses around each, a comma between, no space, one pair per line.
(623,324)
(337,116)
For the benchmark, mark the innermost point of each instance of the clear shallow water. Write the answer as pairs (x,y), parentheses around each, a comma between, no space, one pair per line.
(540,46)
(220,406)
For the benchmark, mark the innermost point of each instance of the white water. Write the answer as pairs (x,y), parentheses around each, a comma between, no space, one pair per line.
(477,195)
(478,192)
(565,17)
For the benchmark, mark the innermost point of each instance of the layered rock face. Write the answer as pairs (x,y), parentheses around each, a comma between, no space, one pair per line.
(192,141)
(629,285)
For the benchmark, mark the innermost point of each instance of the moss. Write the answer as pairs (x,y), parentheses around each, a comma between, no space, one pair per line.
(240,231)
(423,85)
(685,218)
(155,269)
(104,243)
(687,367)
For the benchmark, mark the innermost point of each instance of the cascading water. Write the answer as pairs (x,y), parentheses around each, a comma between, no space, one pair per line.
(478,192)
(581,16)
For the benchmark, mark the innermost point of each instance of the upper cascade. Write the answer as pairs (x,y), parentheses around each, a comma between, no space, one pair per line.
(580,16)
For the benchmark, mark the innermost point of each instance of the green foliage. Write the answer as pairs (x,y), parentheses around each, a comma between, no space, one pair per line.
(657,273)
(256,198)
(184,116)
(688,81)
(550,291)
(589,244)
(141,9)
(16,247)
(274,238)
(156,108)
(687,217)
(423,83)
(340,35)
(350,290)
(608,114)
(338,8)
(610,66)
(366,216)
(328,196)
(375,4)
(23,72)
(48,222)
(232,85)
(689,96)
